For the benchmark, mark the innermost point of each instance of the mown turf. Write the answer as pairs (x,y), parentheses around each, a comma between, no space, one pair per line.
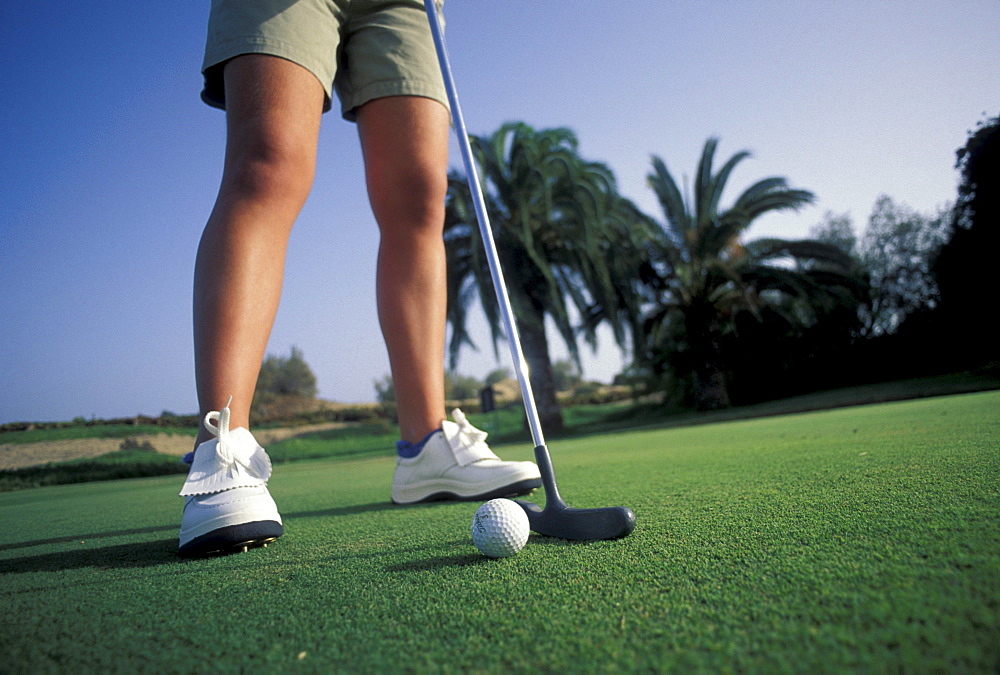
(127,463)
(859,539)
(75,431)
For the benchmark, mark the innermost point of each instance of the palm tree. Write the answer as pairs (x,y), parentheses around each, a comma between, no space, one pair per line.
(704,275)
(556,218)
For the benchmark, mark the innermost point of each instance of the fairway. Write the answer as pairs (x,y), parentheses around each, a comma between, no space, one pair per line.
(861,538)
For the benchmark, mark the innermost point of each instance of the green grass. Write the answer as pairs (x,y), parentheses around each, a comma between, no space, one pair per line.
(376,437)
(860,539)
(129,463)
(96,431)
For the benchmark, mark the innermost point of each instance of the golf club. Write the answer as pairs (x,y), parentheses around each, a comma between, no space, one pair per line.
(556,519)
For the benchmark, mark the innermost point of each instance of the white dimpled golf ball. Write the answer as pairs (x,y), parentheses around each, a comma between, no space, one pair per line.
(500,528)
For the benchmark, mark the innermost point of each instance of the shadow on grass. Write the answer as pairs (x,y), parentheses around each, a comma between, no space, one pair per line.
(144,554)
(431,564)
(471,559)
(87,537)
(366,508)
(543,540)
(164,551)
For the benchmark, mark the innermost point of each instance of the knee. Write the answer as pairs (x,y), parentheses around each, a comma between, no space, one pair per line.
(409,201)
(269,165)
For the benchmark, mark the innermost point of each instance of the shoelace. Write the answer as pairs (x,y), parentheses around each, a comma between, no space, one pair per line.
(470,434)
(468,444)
(234,460)
(221,431)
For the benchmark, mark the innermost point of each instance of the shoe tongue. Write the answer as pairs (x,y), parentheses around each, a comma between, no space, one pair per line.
(231,461)
(467,443)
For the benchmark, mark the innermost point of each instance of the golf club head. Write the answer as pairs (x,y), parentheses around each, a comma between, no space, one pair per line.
(564,522)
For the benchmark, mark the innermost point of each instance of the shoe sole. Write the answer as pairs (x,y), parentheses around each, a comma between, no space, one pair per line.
(232,539)
(518,489)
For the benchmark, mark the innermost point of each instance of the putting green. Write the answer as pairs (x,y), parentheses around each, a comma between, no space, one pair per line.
(860,538)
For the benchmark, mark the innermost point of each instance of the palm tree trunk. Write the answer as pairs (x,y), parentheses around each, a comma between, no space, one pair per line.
(535,345)
(710,389)
(711,392)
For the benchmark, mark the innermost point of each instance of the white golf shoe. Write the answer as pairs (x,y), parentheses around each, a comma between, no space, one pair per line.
(226,503)
(456,463)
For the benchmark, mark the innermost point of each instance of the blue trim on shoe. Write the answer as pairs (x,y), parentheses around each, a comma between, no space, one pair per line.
(409,450)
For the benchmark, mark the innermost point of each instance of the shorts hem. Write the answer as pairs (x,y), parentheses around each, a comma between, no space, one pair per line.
(376,90)
(213,92)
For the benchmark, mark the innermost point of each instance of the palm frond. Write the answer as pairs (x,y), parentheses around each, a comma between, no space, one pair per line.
(803,251)
(671,201)
(771,194)
(703,181)
(719,181)
(553,215)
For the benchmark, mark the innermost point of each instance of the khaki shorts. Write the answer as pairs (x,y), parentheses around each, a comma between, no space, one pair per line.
(365,49)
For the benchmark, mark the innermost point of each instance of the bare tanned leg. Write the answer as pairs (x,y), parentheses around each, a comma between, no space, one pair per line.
(405,145)
(273,115)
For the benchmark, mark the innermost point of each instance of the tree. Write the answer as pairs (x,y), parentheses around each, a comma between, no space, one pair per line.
(461,387)
(979,163)
(964,267)
(497,375)
(703,277)
(557,221)
(385,392)
(897,249)
(567,375)
(838,230)
(286,375)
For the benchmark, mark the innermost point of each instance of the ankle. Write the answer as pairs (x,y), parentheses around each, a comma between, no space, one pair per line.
(408,450)
(415,428)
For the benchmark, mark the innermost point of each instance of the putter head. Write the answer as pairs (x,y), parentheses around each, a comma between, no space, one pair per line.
(564,522)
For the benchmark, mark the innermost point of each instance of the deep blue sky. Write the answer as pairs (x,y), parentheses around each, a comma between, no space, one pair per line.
(110,162)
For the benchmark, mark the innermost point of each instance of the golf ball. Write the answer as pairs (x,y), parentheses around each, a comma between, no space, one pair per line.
(500,528)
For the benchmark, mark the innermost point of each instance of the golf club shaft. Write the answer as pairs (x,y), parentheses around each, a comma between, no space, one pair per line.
(506,312)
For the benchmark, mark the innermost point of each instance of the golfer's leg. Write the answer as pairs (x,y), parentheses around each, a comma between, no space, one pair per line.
(405,145)
(273,114)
